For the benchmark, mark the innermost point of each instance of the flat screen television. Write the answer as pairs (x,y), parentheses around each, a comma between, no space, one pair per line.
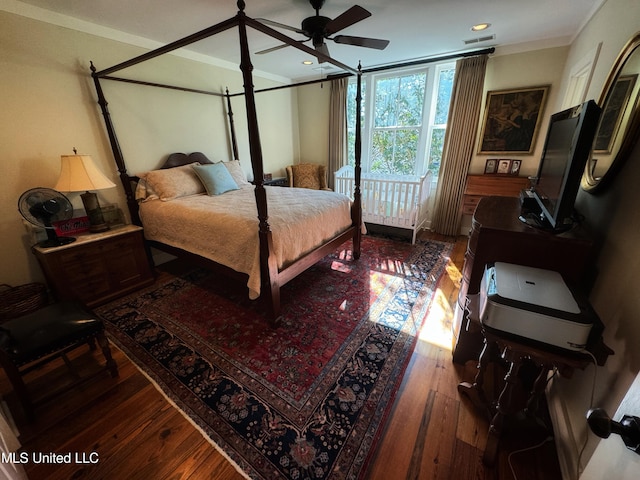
(566,150)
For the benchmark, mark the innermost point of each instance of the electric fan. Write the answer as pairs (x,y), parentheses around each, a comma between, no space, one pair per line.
(43,206)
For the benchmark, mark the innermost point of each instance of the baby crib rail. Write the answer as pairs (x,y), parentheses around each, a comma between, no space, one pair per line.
(393,200)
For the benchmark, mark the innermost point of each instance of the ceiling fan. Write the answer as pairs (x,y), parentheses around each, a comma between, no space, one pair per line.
(318,29)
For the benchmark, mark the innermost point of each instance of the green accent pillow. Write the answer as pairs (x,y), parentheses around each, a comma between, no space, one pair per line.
(215,178)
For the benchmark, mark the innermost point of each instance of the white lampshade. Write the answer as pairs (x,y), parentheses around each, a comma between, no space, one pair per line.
(79,174)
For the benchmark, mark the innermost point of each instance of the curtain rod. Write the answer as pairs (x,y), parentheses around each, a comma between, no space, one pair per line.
(413,63)
(485,51)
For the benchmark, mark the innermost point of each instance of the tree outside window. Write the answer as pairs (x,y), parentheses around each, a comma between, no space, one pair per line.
(401,110)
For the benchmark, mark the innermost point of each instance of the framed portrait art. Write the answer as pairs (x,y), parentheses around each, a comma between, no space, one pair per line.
(491,166)
(512,120)
(613,113)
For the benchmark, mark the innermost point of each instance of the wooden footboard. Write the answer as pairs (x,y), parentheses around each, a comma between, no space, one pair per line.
(270,293)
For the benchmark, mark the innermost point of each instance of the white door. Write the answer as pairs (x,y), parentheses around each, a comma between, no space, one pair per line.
(9,444)
(612,459)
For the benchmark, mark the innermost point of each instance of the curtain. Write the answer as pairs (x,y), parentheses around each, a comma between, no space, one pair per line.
(460,137)
(337,128)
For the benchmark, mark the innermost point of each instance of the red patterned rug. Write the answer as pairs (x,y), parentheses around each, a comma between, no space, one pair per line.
(305,400)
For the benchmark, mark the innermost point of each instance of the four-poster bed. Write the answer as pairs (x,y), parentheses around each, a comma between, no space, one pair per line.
(274,271)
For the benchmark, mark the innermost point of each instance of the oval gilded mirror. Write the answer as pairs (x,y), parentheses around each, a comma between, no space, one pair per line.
(620,118)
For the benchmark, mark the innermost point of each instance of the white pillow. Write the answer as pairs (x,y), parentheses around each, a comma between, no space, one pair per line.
(171,183)
(235,169)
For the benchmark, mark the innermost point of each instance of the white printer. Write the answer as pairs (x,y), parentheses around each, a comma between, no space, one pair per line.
(535,304)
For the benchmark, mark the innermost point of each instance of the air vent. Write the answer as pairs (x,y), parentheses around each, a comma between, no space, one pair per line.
(324,68)
(479,39)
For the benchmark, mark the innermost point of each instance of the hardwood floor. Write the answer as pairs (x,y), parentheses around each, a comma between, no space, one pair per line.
(432,432)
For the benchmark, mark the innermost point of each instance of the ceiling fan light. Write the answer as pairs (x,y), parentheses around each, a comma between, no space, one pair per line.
(480,27)
(307,62)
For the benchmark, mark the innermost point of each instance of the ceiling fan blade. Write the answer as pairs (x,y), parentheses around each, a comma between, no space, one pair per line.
(272,49)
(346,19)
(323,49)
(279,25)
(376,43)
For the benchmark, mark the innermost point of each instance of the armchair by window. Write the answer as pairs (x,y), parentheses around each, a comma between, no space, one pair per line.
(307,175)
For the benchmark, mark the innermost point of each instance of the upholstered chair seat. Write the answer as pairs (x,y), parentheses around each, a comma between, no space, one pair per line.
(307,175)
(29,341)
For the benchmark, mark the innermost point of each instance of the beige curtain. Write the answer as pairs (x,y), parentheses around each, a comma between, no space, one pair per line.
(459,141)
(337,128)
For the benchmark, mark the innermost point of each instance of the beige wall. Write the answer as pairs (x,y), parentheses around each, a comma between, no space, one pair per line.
(313,106)
(49,107)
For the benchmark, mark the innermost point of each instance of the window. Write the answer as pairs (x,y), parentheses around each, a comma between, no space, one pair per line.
(404,118)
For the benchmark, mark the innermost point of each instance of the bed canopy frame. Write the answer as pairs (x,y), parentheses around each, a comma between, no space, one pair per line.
(272,278)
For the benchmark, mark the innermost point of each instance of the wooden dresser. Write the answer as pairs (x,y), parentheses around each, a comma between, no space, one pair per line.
(479,186)
(497,235)
(97,267)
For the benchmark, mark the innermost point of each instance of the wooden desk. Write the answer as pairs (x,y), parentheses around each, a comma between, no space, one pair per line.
(498,236)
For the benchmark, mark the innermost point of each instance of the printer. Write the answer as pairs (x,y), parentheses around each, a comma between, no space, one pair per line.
(534,304)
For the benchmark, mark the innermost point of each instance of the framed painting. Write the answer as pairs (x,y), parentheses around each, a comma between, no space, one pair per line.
(512,120)
(613,113)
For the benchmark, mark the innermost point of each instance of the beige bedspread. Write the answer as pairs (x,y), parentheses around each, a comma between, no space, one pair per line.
(224,228)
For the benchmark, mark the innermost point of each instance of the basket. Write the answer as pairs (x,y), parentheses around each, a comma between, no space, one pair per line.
(18,301)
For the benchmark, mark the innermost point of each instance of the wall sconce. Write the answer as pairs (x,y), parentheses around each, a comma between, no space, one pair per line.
(79,173)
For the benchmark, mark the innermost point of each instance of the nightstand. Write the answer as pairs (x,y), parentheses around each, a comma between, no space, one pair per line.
(277,182)
(97,267)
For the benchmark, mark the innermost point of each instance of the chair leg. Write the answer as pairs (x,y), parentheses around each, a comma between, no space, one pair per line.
(20,389)
(112,366)
(72,370)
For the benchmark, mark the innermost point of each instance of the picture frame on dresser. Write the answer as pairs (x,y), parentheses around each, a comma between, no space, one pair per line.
(491,166)
(504,166)
(512,119)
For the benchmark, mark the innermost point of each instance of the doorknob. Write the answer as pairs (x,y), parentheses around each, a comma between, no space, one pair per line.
(628,428)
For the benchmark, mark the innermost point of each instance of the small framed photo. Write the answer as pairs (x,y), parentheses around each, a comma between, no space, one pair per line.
(504,166)
(491,166)
(515,167)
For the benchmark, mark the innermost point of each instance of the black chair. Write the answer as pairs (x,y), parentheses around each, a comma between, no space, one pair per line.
(32,340)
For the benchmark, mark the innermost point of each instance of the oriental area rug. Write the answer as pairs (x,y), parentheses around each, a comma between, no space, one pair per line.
(305,400)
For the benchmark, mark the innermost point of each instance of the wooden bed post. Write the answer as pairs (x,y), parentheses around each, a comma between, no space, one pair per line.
(270,287)
(115,148)
(232,126)
(356,209)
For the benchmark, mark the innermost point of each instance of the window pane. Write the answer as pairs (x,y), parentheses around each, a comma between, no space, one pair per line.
(394,151)
(411,100)
(445,85)
(385,103)
(435,152)
(351,119)
(399,101)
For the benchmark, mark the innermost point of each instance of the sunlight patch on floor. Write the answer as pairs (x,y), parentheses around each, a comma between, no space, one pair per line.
(437,326)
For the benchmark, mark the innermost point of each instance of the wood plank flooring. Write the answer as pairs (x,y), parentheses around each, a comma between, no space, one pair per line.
(432,432)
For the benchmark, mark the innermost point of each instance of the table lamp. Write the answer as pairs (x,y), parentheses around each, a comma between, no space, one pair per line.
(79,173)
